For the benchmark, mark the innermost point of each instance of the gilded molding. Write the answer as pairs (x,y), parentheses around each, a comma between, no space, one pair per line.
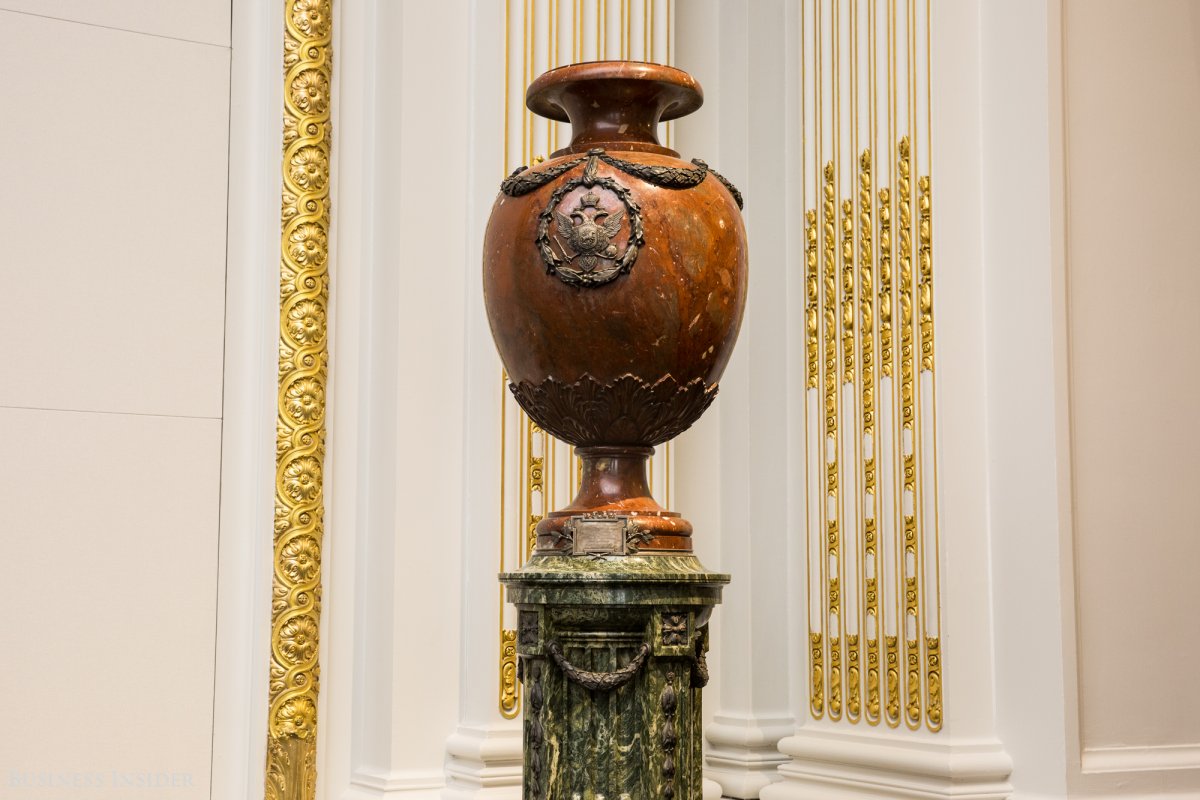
(908,425)
(870,543)
(849,313)
(925,263)
(510,699)
(933,657)
(812,333)
(811,323)
(829,336)
(300,432)
(869,350)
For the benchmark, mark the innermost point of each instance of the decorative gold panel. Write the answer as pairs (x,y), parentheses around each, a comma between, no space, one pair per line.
(537,472)
(874,625)
(300,438)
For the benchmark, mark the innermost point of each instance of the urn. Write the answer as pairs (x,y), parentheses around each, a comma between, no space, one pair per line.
(614,279)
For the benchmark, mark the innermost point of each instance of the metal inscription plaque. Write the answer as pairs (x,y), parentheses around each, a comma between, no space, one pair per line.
(595,537)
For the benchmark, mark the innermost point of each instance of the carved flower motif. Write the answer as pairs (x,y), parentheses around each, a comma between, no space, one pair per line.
(298,717)
(311,17)
(300,559)
(306,322)
(308,245)
(309,168)
(310,92)
(302,479)
(305,400)
(298,639)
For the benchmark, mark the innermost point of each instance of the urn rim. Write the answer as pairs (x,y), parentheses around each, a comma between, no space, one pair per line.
(677,92)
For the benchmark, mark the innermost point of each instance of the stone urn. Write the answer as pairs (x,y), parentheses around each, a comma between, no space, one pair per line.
(614,278)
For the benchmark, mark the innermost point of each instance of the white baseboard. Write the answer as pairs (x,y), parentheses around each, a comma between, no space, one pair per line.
(403,785)
(743,754)
(1141,759)
(832,765)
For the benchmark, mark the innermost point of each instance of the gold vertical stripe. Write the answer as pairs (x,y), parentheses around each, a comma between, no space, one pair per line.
(896,666)
(933,643)
(646,30)
(933,661)
(509,692)
(816,647)
(300,432)
(830,450)
(891,643)
(853,666)
(510,688)
(867,440)
(812,335)
(849,379)
(908,447)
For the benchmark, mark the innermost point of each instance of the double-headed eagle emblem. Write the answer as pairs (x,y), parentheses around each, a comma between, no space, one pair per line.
(589,230)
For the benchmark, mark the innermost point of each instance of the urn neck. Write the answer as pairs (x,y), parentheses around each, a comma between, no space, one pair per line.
(611,476)
(614,104)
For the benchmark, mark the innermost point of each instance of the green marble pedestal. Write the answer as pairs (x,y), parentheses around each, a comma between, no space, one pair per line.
(611,654)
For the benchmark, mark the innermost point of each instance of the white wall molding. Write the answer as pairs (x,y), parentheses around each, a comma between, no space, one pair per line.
(1141,759)
(248,404)
(837,765)
(366,784)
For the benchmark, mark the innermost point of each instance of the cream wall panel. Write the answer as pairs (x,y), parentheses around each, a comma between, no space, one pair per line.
(194,20)
(108,524)
(1132,85)
(114,269)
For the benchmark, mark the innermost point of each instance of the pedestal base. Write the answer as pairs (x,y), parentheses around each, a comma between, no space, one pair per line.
(611,653)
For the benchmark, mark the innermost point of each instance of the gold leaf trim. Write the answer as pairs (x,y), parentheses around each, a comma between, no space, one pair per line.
(300,430)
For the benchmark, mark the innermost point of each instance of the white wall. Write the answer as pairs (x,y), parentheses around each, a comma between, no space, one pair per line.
(113,309)
(1131,76)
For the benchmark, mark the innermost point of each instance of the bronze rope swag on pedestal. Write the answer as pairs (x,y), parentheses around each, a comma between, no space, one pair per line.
(300,433)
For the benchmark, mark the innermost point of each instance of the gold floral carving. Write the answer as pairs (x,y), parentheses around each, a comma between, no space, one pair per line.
(867,440)
(811,323)
(908,445)
(300,427)
(849,313)
(510,700)
(812,328)
(829,336)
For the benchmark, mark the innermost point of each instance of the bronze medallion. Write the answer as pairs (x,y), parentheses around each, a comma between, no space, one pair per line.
(591,230)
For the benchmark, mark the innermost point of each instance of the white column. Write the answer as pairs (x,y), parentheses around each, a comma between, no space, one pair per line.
(483,755)
(1029,494)
(390,644)
(743,55)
